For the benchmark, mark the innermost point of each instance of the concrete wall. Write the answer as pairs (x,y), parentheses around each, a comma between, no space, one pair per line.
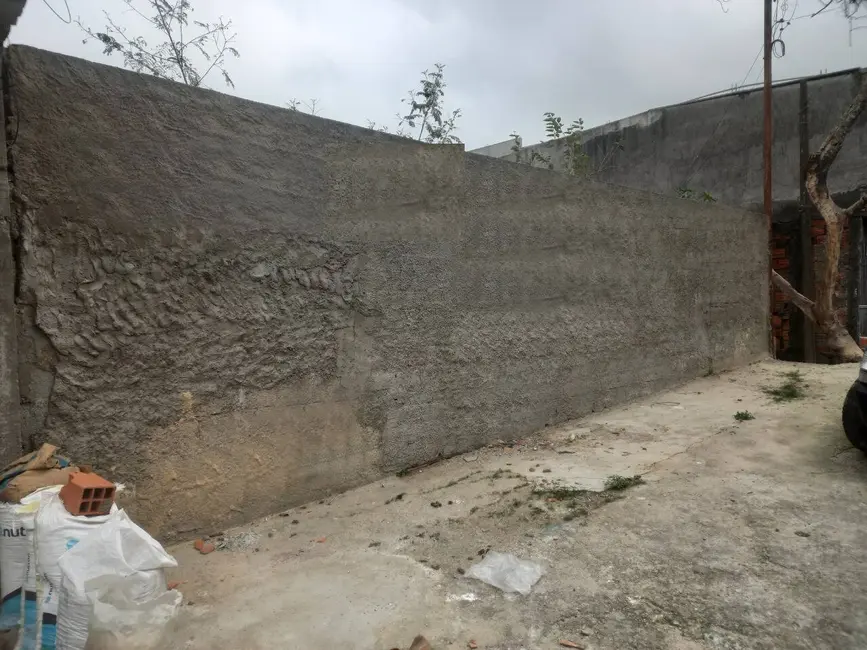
(10,424)
(500,149)
(715,145)
(233,307)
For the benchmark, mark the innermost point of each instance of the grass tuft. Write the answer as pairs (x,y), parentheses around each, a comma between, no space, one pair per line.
(616,483)
(791,389)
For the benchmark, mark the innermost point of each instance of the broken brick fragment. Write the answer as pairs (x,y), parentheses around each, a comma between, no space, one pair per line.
(204,547)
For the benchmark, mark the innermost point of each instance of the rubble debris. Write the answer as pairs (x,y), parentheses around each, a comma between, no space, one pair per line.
(204,547)
(398,497)
(571,644)
(436,504)
(472,645)
(241,541)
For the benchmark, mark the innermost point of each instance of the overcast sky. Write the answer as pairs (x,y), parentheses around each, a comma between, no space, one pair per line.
(508,61)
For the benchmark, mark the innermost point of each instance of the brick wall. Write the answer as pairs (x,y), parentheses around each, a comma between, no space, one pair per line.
(785,254)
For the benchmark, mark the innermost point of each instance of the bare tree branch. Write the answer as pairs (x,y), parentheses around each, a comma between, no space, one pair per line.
(856,207)
(798,299)
(826,5)
(177,57)
(164,20)
(820,161)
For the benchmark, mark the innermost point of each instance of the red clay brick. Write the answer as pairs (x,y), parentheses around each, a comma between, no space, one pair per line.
(87,494)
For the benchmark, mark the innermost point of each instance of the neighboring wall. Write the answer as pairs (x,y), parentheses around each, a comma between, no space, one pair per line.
(503,149)
(233,308)
(715,144)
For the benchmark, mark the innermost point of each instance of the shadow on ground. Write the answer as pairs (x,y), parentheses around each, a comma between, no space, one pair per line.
(744,534)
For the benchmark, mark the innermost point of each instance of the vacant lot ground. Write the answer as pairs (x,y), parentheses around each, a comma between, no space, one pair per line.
(744,534)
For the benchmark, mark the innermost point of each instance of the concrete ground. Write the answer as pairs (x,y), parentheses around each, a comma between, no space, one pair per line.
(744,535)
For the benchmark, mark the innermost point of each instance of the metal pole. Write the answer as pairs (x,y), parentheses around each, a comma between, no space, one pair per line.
(768,140)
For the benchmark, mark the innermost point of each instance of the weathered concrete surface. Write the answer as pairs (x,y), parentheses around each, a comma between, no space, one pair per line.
(233,308)
(715,144)
(745,535)
(10,416)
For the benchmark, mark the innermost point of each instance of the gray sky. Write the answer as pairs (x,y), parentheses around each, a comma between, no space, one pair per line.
(508,61)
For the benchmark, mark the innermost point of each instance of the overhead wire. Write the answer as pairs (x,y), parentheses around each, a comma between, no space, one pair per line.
(68,19)
(778,47)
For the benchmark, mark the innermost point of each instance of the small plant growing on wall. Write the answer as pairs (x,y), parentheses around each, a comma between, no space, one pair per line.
(692,195)
(168,42)
(564,142)
(426,112)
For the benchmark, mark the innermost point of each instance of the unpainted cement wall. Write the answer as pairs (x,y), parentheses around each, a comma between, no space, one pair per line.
(233,308)
(715,145)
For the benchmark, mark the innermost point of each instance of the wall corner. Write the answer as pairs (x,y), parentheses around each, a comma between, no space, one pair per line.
(10,406)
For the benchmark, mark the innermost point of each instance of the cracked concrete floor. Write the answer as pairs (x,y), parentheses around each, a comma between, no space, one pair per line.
(744,535)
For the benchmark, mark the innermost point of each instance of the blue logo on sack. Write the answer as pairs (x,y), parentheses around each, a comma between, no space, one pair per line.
(70,543)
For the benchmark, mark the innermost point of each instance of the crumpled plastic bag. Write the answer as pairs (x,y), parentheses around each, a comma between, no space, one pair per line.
(119,621)
(507,573)
(114,588)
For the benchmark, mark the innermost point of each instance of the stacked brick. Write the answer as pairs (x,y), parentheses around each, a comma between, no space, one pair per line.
(782,308)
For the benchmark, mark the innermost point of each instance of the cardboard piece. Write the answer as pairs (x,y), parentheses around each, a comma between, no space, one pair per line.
(41,468)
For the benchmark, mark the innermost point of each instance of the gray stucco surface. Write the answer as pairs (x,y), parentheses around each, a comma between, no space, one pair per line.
(10,415)
(715,145)
(233,307)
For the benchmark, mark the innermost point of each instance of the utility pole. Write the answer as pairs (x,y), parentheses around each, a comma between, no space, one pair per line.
(768,141)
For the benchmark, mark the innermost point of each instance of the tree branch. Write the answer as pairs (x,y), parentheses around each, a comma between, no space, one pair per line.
(827,4)
(820,162)
(856,207)
(798,299)
(179,55)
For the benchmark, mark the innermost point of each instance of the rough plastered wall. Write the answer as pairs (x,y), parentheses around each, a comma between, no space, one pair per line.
(233,307)
(715,145)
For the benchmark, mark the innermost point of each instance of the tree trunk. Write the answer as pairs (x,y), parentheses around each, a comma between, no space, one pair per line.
(821,311)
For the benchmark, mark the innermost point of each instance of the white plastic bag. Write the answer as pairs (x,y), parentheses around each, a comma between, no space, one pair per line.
(507,573)
(120,622)
(120,569)
(57,531)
